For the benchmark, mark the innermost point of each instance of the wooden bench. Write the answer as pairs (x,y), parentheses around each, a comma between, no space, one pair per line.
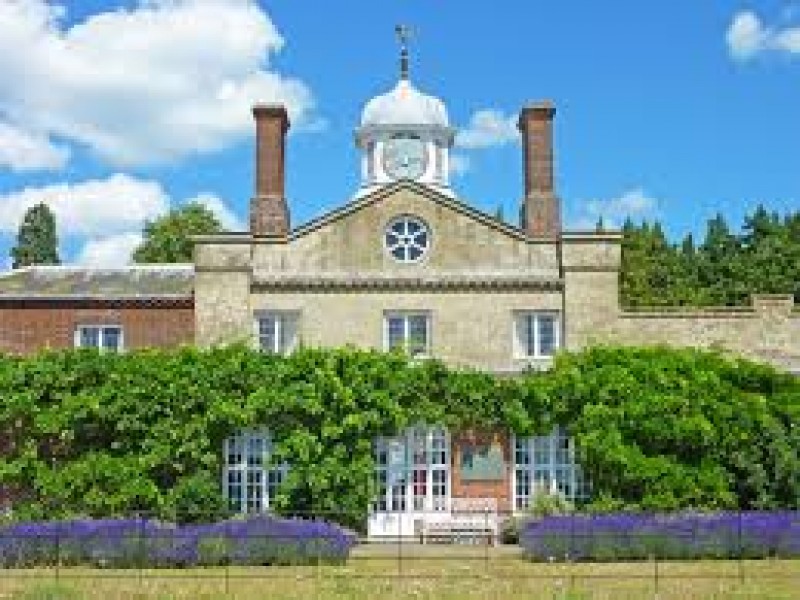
(470,520)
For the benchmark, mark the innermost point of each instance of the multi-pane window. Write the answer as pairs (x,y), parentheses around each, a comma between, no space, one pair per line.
(537,334)
(106,338)
(546,464)
(409,331)
(413,471)
(249,478)
(277,331)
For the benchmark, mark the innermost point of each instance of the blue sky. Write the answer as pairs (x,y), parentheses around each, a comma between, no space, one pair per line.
(114,111)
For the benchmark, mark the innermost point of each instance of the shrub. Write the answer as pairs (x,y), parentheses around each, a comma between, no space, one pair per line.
(123,543)
(681,536)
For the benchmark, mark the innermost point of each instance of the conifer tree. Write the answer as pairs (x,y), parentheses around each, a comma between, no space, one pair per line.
(37,242)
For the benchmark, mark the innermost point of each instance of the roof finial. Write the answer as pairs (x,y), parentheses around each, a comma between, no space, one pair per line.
(403,33)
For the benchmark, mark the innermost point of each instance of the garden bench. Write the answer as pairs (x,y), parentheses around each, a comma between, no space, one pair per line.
(469,520)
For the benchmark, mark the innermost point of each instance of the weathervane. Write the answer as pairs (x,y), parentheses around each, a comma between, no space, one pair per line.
(403,34)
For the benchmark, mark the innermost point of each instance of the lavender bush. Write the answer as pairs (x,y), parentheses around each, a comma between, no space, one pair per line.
(262,540)
(678,536)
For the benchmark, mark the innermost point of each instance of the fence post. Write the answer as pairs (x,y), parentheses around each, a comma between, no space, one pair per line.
(489,538)
(741,550)
(571,558)
(400,543)
(228,553)
(655,573)
(58,552)
(141,549)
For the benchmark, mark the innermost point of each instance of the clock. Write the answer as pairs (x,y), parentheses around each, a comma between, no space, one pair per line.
(404,157)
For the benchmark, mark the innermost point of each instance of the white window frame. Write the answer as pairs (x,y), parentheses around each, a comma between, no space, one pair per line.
(101,334)
(280,318)
(422,482)
(521,345)
(543,475)
(406,316)
(255,477)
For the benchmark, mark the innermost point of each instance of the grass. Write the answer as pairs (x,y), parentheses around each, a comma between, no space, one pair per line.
(440,573)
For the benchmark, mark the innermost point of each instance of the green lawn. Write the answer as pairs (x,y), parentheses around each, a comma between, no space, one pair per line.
(437,573)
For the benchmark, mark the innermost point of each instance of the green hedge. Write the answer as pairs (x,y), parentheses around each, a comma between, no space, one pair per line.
(104,435)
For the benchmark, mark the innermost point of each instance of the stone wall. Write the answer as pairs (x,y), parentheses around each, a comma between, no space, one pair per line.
(222,292)
(768,331)
(468,328)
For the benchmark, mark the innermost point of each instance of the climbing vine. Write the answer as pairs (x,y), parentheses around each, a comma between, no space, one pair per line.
(83,433)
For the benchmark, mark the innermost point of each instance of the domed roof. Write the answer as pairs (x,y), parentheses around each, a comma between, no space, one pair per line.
(404,105)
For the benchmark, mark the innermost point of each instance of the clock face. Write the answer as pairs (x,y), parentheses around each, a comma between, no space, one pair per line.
(404,157)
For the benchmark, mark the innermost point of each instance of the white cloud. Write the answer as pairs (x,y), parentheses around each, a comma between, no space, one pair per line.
(26,151)
(487,128)
(635,204)
(159,81)
(747,37)
(459,164)
(225,215)
(94,207)
(110,251)
(105,215)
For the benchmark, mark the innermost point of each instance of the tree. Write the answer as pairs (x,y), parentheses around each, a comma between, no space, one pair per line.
(167,239)
(725,268)
(498,213)
(37,242)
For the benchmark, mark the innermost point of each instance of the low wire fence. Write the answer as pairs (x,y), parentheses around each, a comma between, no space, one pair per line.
(566,552)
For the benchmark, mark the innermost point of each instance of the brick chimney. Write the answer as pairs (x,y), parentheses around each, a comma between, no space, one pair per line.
(540,215)
(269,213)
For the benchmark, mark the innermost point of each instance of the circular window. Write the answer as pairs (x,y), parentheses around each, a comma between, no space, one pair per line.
(407,238)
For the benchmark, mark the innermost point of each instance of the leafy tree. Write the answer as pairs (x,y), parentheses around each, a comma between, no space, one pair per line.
(167,239)
(37,241)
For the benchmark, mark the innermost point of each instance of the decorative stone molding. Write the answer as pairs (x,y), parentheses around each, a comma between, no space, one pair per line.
(444,282)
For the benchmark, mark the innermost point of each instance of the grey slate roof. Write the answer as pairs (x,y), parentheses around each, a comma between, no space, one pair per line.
(73,282)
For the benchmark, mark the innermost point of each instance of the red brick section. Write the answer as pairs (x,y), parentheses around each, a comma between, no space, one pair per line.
(269,213)
(541,208)
(499,489)
(27,325)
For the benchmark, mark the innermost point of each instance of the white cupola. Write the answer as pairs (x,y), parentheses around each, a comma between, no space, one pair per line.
(404,134)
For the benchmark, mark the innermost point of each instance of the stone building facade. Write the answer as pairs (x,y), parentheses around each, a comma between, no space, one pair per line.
(404,262)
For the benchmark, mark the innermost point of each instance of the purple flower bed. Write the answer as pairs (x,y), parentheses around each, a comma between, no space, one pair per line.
(678,536)
(262,540)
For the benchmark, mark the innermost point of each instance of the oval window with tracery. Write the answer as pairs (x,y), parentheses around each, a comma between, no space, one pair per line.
(407,238)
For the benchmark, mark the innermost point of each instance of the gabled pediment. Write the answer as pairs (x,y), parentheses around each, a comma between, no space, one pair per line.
(421,190)
(352,240)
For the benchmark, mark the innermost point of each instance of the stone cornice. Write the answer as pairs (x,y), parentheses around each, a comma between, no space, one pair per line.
(404,282)
(590,269)
(591,236)
(690,313)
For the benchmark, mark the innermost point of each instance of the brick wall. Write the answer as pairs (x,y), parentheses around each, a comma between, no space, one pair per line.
(27,326)
(500,488)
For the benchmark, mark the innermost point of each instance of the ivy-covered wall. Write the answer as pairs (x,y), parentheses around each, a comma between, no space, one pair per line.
(84,433)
